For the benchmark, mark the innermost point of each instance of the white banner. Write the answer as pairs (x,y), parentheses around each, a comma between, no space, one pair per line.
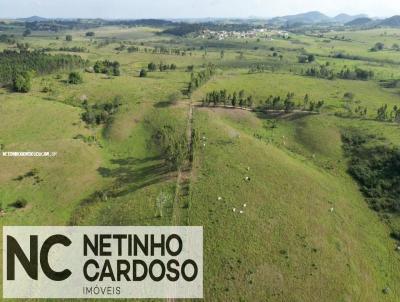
(102,262)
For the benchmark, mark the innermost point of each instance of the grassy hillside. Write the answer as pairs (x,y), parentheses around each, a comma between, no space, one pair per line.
(283,218)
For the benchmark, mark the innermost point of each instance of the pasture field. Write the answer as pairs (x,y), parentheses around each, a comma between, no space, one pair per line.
(284,217)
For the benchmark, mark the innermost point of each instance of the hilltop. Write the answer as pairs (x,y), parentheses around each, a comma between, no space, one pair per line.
(345,18)
(392,21)
(359,21)
(33,19)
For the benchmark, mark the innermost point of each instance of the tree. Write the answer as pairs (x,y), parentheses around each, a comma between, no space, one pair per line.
(22,82)
(306,100)
(143,73)
(382,113)
(161,201)
(90,34)
(378,46)
(396,114)
(241,94)
(74,78)
(303,59)
(222,54)
(27,32)
(234,99)
(349,96)
(68,38)
(311,58)
(250,101)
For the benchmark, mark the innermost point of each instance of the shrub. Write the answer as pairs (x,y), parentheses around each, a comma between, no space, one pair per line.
(143,73)
(20,203)
(107,67)
(22,82)
(75,78)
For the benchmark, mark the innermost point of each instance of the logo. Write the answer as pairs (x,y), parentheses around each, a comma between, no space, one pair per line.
(103,262)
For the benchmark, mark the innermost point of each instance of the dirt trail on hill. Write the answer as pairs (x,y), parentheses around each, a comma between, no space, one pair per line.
(184,176)
(183,180)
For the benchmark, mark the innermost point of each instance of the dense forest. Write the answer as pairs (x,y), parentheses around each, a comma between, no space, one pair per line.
(376,169)
(59,25)
(13,63)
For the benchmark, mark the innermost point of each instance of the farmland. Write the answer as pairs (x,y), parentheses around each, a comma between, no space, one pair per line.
(271,181)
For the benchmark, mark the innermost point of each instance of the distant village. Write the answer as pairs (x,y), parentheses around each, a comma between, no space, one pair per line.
(261,33)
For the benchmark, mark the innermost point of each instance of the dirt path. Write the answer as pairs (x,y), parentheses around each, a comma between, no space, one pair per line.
(180,209)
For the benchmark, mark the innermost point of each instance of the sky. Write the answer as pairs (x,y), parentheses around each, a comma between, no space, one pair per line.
(134,9)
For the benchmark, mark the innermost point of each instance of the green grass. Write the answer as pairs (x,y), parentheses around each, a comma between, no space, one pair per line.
(287,245)
(288,203)
(367,93)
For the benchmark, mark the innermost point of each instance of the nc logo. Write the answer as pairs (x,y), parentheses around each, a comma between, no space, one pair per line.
(31,264)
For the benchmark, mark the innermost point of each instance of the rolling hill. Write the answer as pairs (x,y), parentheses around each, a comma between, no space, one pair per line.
(392,21)
(309,17)
(359,22)
(345,18)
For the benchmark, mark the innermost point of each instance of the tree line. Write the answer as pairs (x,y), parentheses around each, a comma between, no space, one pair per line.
(156,50)
(385,114)
(161,67)
(242,100)
(199,78)
(324,72)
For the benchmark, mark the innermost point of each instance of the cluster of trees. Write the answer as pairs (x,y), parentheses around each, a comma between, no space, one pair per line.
(258,68)
(361,111)
(385,114)
(376,167)
(161,66)
(9,39)
(98,114)
(107,67)
(156,50)
(306,58)
(167,51)
(288,104)
(90,34)
(68,38)
(324,72)
(199,78)
(73,49)
(356,74)
(218,97)
(17,68)
(351,111)
(240,99)
(169,137)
